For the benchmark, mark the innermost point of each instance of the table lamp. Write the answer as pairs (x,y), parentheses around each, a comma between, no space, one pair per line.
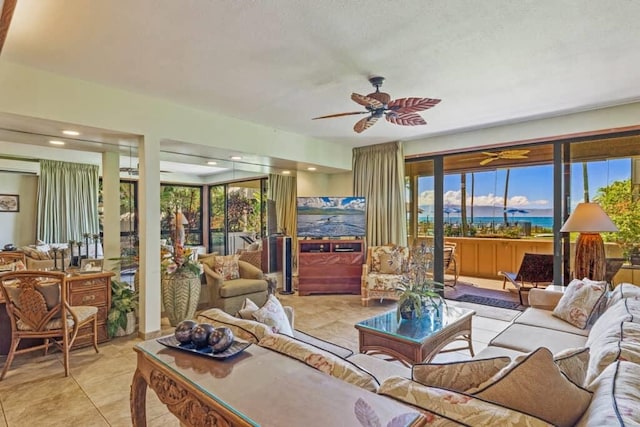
(590,220)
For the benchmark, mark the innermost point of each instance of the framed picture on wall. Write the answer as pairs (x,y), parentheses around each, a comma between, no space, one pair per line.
(9,203)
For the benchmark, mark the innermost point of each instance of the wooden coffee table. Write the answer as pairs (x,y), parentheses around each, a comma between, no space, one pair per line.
(417,340)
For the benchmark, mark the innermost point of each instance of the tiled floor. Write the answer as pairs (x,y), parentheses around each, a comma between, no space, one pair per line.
(35,391)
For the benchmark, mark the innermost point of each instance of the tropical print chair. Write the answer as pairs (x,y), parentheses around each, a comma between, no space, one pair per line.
(383,272)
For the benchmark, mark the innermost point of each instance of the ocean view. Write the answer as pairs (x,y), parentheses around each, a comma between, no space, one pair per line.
(540,221)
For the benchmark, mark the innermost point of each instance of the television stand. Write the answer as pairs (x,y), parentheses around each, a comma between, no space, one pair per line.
(330,266)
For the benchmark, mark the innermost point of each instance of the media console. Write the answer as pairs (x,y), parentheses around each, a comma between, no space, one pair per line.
(330,266)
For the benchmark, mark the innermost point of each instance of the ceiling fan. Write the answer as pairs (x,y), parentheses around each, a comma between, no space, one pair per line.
(506,154)
(400,111)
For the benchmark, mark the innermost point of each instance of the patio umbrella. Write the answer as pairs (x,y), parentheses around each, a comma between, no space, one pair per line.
(514,211)
(449,210)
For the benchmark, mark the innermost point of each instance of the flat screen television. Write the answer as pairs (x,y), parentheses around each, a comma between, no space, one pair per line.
(331,217)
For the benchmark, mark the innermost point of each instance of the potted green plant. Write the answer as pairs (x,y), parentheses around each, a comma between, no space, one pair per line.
(124,303)
(418,292)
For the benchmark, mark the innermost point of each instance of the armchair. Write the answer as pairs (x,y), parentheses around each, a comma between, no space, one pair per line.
(383,272)
(229,295)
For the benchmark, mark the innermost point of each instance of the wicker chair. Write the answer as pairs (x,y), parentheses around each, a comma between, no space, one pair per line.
(383,272)
(36,301)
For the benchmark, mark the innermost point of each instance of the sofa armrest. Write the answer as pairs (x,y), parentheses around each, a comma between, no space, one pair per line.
(544,299)
(248,271)
(213,278)
(290,314)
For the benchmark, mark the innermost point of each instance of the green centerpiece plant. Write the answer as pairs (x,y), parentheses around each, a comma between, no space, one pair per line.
(418,292)
(124,303)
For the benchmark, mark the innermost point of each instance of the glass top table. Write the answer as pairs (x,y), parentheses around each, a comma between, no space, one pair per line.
(416,340)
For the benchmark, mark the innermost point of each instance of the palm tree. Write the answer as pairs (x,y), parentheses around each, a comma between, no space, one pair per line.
(463,203)
(506,197)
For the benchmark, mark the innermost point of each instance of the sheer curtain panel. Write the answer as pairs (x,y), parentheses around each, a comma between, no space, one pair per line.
(284,191)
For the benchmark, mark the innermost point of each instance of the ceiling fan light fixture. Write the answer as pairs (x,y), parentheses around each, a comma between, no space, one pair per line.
(401,111)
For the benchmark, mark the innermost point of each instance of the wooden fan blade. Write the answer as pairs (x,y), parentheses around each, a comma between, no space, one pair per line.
(340,115)
(374,104)
(411,119)
(487,161)
(365,124)
(486,153)
(412,105)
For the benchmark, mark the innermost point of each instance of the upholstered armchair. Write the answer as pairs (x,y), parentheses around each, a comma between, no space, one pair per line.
(229,295)
(383,272)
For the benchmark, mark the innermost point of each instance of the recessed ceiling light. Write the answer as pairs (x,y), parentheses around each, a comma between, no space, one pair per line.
(211,162)
(55,142)
(311,168)
(71,132)
(236,157)
(286,172)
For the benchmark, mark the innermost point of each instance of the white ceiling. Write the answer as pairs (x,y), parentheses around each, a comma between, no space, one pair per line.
(282,62)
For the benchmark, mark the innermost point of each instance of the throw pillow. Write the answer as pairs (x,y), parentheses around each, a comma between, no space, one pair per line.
(248,308)
(579,301)
(459,407)
(13,266)
(458,376)
(390,264)
(252,257)
(622,291)
(321,360)
(573,362)
(273,315)
(227,267)
(554,399)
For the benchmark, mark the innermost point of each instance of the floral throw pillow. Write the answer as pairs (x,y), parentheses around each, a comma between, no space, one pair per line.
(579,301)
(227,267)
(273,315)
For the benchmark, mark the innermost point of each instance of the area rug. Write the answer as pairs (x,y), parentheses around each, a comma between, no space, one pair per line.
(493,302)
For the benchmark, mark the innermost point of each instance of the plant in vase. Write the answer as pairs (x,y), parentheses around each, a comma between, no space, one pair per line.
(418,292)
(180,284)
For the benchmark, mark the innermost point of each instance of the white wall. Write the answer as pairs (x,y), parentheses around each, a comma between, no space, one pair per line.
(319,184)
(19,228)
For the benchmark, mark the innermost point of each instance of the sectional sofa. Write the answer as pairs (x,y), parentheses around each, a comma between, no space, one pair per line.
(541,370)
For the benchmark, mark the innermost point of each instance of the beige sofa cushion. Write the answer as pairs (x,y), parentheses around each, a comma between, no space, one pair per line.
(458,376)
(622,291)
(622,343)
(580,301)
(626,310)
(527,338)
(456,406)
(238,287)
(519,386)
(573,362)
(321,360)
(615,397)
(380,368)
(545,319)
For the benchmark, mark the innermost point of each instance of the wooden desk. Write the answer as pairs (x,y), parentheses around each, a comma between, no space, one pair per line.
(258,387)
(83,289)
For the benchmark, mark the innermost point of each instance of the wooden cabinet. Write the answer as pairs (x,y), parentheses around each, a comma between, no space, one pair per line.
(95,290)
(330,266)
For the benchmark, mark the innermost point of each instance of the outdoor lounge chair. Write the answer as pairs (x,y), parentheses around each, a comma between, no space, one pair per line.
(536,270)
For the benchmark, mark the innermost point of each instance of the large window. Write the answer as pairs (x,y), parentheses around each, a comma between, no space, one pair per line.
(187,200)
(518,196)
(237,215)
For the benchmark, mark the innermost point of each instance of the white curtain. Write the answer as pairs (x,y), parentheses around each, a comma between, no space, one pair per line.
(67,201)
(378,175)
(284,191)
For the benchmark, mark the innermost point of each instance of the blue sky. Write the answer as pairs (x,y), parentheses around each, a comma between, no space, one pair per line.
(529,187)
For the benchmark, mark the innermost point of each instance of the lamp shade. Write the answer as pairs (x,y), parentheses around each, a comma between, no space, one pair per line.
(588,218)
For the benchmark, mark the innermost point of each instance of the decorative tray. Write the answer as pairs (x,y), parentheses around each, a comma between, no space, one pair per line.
(235,348)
